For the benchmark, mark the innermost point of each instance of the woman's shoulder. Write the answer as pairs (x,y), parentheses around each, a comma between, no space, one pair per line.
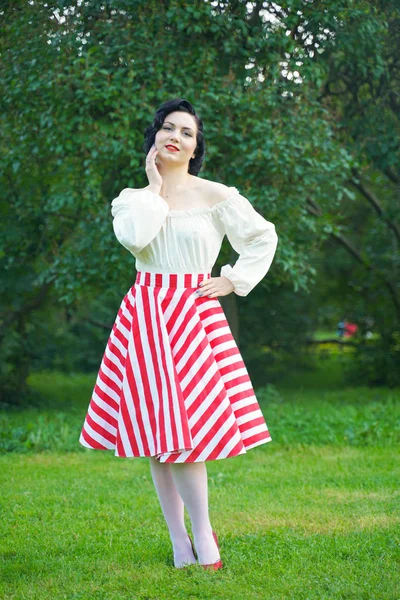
(211,192)
(214,191)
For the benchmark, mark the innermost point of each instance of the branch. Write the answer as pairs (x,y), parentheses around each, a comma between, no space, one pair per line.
(313,208)
(390,172)
(99,324)
(394,105)
(26,308)
(255,14)
(373,200)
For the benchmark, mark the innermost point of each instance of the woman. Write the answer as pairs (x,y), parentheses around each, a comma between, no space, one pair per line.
(172,385)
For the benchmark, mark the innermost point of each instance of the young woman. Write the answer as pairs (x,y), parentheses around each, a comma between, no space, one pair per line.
(172,385)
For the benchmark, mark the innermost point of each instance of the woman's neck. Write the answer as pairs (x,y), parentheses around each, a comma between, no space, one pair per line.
(175,181)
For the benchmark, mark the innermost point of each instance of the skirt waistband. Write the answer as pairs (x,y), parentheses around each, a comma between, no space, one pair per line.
(171,280)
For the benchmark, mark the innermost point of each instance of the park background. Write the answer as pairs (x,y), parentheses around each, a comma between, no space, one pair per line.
(300,102)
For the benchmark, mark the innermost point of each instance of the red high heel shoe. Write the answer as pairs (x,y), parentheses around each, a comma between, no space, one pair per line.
(218,564)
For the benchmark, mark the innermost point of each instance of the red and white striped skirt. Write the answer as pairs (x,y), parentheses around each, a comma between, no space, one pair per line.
(172,382)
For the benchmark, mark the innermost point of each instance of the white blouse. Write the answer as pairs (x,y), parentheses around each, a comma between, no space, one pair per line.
(189,241)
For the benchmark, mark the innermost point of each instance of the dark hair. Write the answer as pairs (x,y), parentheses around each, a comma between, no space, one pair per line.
(165,109)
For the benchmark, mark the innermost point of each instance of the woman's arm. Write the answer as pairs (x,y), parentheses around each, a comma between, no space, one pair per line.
(253,238)
(138,216)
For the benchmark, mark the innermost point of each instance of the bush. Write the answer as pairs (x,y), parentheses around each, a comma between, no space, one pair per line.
(376,362)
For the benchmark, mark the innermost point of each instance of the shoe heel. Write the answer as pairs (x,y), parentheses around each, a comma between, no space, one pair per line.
(219,563)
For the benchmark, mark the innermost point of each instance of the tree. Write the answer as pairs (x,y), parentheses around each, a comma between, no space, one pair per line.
(82,80)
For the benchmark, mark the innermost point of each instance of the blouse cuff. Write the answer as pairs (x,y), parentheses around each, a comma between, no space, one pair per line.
(240,287)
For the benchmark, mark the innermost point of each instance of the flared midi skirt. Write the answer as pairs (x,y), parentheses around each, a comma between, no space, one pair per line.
(172,383)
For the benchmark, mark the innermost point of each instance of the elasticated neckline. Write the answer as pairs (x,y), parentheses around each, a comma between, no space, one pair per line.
(204,209)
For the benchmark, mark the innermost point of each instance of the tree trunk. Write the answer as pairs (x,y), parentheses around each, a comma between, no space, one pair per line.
(230,308)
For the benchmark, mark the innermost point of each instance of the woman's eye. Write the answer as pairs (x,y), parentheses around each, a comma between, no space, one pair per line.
(169,129)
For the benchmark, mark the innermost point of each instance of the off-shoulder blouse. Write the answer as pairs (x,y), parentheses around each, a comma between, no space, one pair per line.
(189,241)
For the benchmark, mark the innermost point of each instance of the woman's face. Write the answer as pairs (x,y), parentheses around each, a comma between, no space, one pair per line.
(180,130)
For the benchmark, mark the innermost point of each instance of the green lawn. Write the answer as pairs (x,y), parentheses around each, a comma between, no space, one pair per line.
(312,514)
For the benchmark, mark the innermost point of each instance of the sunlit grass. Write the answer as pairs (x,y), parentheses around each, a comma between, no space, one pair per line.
(293,523)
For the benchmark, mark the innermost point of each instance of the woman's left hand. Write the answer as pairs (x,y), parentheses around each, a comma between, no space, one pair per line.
(215,286)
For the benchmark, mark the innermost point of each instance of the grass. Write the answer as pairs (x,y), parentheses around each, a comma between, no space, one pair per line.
(306,408)
(314,514)
(314,523)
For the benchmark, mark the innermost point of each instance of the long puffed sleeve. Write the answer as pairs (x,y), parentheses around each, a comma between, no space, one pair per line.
(254,239)
(138,217)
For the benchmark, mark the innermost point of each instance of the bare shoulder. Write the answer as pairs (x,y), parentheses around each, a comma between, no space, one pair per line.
(214,191)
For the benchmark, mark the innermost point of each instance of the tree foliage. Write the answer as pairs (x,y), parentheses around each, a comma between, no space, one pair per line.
(81,81)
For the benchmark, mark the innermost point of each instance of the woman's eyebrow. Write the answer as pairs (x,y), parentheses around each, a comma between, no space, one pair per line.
(182,127)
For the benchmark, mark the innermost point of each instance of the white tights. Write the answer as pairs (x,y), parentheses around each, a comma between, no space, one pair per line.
(179,485)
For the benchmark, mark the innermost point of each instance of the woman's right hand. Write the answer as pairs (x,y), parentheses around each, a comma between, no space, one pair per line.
(152,172)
